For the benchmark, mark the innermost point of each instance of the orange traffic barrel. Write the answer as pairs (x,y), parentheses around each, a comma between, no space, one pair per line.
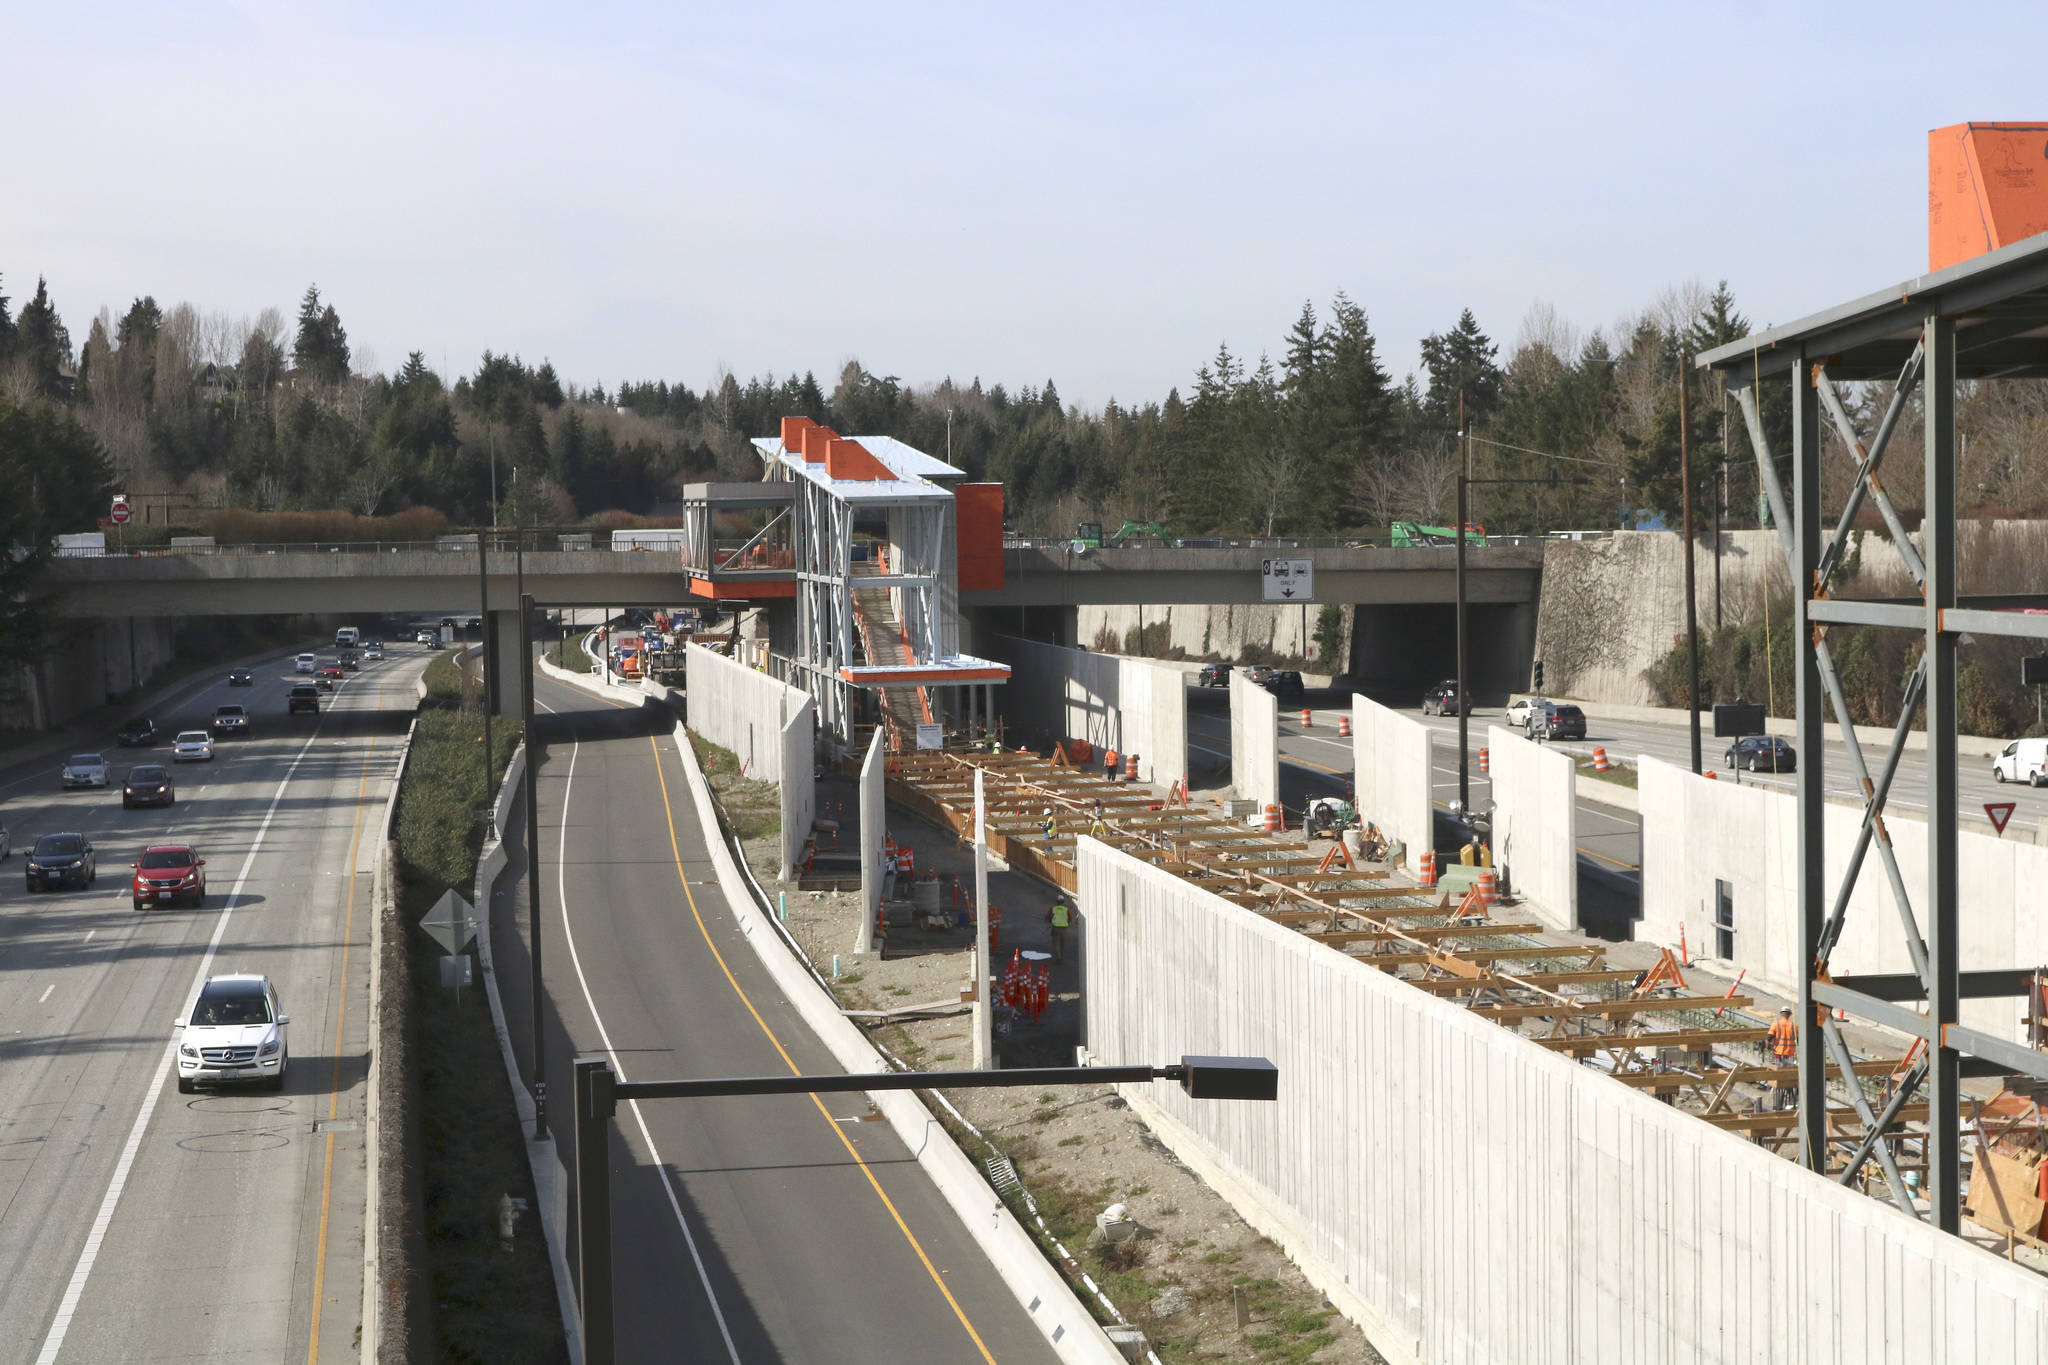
(1130,767)
(1484,766)
(1429,867)
(1489,887)
(1272,818)
(1307,718)
(1600,763)
(1344,727)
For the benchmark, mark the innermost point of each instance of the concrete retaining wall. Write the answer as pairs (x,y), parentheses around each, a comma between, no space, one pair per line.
(1696,832)
(1466,1197)
(1254,741)
(1225,631)
(1393,757)
(1130,705)
(769,726)
(873,821)
(1536,824)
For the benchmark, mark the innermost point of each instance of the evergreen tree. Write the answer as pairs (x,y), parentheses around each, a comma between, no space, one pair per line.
(7,331)
(43,343)
(1461,361)
(320,347)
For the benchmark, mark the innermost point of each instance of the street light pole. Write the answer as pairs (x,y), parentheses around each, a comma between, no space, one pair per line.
(531,795)
(1692,615)
(483,655)
(1458,534)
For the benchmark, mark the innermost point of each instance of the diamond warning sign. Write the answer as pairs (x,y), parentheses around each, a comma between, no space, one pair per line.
(2000,812)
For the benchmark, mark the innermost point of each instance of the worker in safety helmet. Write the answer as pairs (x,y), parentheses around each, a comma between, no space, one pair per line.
(1784,1045)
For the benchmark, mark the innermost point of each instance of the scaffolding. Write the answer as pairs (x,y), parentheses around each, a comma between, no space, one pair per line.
(1986,319)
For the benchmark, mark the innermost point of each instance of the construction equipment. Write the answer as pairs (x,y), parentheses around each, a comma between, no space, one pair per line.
(1330,816)
(1406,535)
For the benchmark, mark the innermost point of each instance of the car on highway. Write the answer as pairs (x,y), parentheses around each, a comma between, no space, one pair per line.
(2023,760)
(59,860)
(428,637)
(85,770)
(1284,683)
(230,720)
(1214,675)
(1258,673)
(1762,754)
(324,683)
(1555,720)
(305,663)
(235,1032)
(167,874)
(6,843)
(304,700)
(241,677)
(374,653)
(192,746)
(350,663)
(1442,699)
(148,784)
(136,732)
(1519,711)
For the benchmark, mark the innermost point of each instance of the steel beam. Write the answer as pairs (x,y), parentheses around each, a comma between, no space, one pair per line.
(1812,758)
(1938,530)
(1873,1127)
(1866,474)
(1997,984)
(2013,1058)
(1873,1135)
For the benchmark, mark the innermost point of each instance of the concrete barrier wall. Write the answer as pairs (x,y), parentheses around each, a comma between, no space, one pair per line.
(1465,1196)
(1392,754)
(1254,741)
(873,822)
(768,725)
(1697,832)
(1129,705)
(1536,824)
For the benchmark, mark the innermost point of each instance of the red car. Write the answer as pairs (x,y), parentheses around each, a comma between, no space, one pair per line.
(169,873)
(331,672)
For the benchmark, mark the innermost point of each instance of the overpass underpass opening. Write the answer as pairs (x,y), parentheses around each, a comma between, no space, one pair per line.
(1398,650)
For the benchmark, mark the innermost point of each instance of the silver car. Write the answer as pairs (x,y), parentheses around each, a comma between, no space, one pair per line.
(85,770)
(192,746)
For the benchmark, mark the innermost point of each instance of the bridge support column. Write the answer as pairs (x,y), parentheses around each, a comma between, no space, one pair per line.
(503,663)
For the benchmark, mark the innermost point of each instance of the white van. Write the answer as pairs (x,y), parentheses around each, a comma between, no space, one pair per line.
(348,637)
(306,663)
(2023,760)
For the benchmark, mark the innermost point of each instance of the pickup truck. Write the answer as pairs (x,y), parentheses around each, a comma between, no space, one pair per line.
(304,698)
(230,720)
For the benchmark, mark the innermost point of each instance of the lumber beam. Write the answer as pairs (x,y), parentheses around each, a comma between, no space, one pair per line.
(1585,1045)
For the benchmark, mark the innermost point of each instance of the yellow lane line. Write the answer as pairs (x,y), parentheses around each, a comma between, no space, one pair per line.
(334,1081)
(832,1125)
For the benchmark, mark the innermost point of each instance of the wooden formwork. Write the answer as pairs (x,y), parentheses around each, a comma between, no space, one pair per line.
(1457,951)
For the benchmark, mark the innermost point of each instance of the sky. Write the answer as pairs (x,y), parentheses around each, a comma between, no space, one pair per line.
(1100,194)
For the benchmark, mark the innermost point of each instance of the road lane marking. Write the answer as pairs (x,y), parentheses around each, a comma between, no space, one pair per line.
(938,1279)
(355,843)
(67,1307)
(604,1036)
(46,992)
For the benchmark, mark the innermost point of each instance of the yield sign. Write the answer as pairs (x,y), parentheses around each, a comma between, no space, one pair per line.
(2000,812)
(451,922)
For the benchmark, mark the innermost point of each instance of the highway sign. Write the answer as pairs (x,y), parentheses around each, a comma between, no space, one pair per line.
(2000,812)
(451,922)
(1288,580)
(119,513)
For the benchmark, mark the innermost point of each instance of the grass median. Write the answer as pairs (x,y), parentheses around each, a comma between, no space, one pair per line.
(487,1300)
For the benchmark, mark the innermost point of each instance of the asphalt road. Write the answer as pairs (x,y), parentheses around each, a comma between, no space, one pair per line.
(755,1230)
(137,1223)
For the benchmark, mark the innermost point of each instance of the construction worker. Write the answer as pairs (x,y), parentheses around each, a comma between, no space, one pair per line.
(1100,826)
(1050,829)
(1784,1045)
(1059,917)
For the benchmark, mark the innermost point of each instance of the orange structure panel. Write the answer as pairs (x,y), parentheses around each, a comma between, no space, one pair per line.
(1987,187)
(846,459)
(978,535)
(924,675)
(815,439)
(730,589)
(793,429)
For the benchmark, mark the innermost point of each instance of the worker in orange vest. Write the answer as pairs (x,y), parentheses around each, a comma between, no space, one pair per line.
(1784,1045)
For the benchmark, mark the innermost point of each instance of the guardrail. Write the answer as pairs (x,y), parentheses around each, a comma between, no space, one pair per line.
(1262,543)
(497,544)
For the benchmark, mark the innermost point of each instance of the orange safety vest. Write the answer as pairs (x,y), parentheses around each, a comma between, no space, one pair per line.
(1784,1038)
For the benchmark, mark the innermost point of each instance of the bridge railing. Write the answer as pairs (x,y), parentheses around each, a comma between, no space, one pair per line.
(1252,543)
(497,544)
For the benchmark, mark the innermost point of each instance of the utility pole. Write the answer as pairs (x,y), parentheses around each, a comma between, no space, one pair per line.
(532,798)
(1692,616)
(1458,533)
(483,656)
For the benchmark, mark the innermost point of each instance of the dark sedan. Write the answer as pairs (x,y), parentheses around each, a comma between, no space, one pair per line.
(149,784)
(1442,700)
(136,732)
(1285,684)
(241,677)
(1214,675)
(1762,754)
(61,860)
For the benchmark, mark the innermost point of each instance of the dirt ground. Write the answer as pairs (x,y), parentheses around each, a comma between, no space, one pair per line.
(1182,1276)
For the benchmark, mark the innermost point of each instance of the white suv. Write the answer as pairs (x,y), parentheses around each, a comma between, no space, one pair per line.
(306,663)
(235,1033)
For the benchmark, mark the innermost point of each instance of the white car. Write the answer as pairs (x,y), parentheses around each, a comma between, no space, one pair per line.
(2023,760)
(373,653)
(305,663)
(192,746)
(1521,710)
(235,1032)
(85,770)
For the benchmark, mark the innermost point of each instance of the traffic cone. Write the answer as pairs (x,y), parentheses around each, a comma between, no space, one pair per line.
(1711,775)
(1428,870)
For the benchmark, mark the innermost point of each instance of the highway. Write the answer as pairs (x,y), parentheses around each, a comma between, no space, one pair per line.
(137,1223)
(771,1229)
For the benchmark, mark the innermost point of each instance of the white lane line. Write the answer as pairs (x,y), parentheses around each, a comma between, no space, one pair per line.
(604,1036)
(46,992)
(89,933)
(68,1307)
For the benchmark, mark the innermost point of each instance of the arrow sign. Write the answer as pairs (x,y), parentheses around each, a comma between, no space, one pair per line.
(451,923)
(1287,580)
(2000,812)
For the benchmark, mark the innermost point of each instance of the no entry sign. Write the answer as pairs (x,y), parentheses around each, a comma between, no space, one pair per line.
(120,512)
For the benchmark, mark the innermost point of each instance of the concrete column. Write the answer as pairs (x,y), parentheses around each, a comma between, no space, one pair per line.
(503,663)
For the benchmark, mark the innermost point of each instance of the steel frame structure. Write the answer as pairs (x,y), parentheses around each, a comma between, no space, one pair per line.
(1985,319)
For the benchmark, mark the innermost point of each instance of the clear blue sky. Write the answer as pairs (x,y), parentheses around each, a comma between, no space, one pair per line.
(1095,193)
